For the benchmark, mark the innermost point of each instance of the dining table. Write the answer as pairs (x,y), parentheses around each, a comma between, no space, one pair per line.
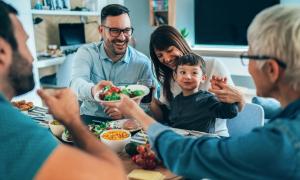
(128,164)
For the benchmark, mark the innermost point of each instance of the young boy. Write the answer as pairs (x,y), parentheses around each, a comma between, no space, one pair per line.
(195,109)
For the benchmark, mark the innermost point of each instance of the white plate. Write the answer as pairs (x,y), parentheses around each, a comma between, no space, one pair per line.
(131,87)
(118,124)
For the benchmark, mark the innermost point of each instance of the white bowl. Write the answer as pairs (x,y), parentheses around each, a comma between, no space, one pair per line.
(56,129)
(116,145)
(131,87)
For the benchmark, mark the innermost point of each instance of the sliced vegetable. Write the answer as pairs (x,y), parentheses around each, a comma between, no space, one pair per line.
(112,93)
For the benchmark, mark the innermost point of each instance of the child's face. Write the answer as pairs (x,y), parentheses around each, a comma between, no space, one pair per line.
(189,77)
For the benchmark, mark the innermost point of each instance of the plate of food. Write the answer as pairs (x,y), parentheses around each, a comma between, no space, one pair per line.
(131,125)
(98,128)
(66,136)
(112,93)
(23,105)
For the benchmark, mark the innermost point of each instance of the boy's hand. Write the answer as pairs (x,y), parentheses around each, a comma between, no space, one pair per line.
(217,82)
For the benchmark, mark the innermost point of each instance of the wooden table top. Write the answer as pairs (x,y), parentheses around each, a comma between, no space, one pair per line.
(129,165)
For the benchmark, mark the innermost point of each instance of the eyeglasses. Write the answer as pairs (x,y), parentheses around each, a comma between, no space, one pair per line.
(245,59)
(115,32)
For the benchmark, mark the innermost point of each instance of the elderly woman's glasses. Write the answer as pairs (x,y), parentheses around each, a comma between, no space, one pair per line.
(115,32)
(245,59)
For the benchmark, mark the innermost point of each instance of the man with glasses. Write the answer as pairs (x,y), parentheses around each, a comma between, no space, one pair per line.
(111,59)
(269,152)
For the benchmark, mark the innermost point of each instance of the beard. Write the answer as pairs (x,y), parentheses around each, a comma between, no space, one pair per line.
(20,75)
(117,51)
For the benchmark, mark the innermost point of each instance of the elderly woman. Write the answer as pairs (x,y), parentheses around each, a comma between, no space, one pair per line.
(166,45)
(269,152)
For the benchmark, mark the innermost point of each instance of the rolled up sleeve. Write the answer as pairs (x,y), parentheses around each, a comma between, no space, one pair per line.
(81,70)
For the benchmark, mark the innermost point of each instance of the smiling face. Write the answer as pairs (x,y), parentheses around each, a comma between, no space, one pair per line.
(189,78)
(168,56)
(115,47)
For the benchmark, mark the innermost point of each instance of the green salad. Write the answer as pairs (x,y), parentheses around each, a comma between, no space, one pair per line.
(112,93)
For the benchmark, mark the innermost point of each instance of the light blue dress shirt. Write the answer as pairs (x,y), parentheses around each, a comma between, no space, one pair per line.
(91,65)
(269,152)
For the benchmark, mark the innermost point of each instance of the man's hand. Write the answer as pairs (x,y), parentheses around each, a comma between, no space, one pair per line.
(100,86)
(114,113)
(131,109)
(126,106)
(63,104)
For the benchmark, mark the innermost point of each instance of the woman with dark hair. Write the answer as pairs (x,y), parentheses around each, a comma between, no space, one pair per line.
(166,44)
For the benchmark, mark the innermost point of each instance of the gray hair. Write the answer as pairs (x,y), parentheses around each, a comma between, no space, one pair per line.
(276,32)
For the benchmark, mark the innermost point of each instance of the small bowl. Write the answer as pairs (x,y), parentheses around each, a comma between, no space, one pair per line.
(56,129)
(117,144)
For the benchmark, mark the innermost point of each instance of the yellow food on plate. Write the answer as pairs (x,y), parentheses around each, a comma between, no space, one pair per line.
(115,135)
(55,122)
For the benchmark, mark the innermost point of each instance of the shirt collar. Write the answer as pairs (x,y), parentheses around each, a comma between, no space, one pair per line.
(290,110)
(103,55)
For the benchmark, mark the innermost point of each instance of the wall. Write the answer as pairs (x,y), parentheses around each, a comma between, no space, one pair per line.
(23,6)
(47,31)
(290,2)
(139,12)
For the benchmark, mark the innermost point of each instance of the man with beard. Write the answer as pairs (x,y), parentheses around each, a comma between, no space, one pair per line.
(28,151)
(111,59)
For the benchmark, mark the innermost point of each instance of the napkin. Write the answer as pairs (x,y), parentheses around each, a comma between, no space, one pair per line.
(140,174)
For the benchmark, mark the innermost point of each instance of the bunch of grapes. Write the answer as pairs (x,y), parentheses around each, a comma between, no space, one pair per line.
(145,158)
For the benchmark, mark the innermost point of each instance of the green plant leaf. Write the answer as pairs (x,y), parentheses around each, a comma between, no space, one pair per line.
(184,32)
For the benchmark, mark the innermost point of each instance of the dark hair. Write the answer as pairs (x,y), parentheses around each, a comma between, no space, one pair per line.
(6,30)
(161,39)
(113,10)
(191,59)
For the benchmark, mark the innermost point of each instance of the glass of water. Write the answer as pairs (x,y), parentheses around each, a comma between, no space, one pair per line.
(146,100)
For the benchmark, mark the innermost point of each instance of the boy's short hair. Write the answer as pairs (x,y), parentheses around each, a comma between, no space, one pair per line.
(113,10)
(192,60)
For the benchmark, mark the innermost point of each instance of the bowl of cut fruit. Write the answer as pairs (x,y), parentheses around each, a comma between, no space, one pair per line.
(113,93)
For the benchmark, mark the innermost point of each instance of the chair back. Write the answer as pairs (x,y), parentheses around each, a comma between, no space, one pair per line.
(252,116)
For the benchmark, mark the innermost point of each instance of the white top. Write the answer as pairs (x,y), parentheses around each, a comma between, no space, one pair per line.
(213,67)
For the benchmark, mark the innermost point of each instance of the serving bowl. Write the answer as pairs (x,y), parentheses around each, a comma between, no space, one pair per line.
(133,87)
(116,139)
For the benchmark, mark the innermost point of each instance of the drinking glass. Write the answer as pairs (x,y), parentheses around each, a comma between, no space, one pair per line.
(146,100)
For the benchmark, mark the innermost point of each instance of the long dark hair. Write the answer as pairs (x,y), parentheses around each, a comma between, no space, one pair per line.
(161,39)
